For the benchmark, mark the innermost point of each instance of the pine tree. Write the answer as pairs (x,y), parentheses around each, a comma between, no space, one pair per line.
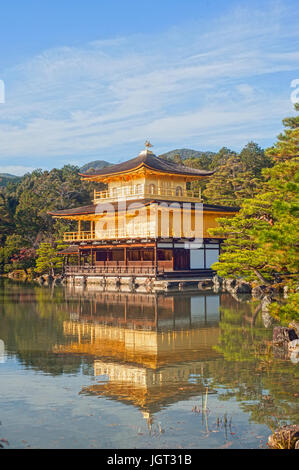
(48,261)
(255,159)
(288,142)
(262,239)
(230,184)
(221,156)
(6,215)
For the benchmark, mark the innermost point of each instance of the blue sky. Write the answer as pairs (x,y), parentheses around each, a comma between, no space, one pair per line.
(95,79)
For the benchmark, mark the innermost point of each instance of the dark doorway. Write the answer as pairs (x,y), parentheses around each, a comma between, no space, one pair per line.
(181,259)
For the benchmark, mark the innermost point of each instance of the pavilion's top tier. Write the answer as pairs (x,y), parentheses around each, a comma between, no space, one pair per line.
(146,176)
(145,163)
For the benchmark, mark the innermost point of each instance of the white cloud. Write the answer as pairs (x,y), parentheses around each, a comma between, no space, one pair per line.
(192,86)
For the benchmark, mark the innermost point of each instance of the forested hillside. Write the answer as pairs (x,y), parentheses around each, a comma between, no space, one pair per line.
(6,178)
(95,165)
(24,206)
(185,154)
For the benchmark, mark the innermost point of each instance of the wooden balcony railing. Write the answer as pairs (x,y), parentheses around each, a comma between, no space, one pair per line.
(113,270)
(143,191)
(78,236)
(136,231)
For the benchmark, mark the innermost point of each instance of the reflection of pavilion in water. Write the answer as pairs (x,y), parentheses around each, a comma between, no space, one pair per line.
(148,350)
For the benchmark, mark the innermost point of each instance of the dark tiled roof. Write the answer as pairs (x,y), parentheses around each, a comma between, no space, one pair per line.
(72,249)
(75,211)
(85,210)
(216,208)
(152,161)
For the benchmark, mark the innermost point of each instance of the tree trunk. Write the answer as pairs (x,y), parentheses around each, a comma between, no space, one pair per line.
(261,277)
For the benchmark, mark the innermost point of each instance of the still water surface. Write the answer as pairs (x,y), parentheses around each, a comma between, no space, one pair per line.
(87,369)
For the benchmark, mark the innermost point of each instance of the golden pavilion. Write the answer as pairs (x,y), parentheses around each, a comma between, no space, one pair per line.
(146,222)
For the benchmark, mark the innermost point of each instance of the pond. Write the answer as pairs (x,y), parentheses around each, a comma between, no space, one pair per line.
(116,370)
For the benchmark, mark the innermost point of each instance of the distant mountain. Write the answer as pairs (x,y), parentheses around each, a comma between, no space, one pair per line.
(96,165)
(7,178)
(186,153)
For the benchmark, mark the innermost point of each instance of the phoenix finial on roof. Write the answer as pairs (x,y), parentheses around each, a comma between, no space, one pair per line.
(148,144)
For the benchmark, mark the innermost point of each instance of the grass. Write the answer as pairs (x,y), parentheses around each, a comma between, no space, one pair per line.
(283,439)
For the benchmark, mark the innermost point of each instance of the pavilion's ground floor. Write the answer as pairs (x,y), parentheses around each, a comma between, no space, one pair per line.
(169,258)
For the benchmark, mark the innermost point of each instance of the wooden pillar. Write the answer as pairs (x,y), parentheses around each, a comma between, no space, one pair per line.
(79,229)
(125,256)
(91,254)
(155,258)
(91,229)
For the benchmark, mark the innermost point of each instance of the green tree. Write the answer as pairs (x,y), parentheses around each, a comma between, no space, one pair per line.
(43,191)
(262,239)
(13,244)
(203,162)
(7,208)
(24,207)
(230,184)
(287,145)
(221,157)
(287,309)
(24,259)
(255,159)
(237,177)
(48,261)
